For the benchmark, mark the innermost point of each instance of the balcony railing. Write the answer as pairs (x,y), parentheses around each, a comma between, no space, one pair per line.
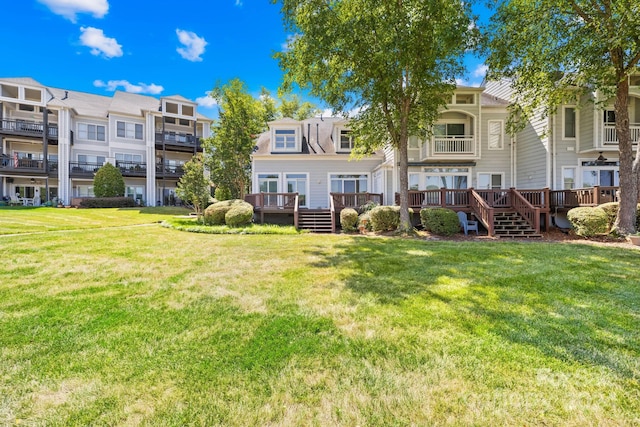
(169,170)
(13,163)
(83,168)
(131,168)
(177,139)
(610,135)
(450,146)
(27,128)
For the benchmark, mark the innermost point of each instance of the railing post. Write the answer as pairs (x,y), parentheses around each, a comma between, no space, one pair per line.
(443,197)
(596,195)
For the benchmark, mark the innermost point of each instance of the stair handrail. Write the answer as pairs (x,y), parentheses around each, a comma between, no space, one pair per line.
(482,210)
(296,206)
(332,208)
(530,213)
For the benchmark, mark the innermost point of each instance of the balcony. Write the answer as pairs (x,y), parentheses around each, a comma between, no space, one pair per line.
(21,166)
(83,169)
(180,141)
(450,147)
(165,170)
(27,128)
(610,136)
(132,168)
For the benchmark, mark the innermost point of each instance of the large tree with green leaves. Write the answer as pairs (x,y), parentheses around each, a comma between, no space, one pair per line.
(555,50)
(241,118)
(194,187)
(394,62)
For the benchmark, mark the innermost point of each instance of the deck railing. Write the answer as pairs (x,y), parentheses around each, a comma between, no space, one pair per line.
(530,213)
(482,210)
(29,128)
(610,135)
(582,197)
(273,202)
(444,197)
(84,168)
(132,168)
(355,200)
(184,139)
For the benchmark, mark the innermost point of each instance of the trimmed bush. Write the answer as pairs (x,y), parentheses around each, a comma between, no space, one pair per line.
(215,214)
(108,182)
(588,222)
(240,214)
(348,219)
(385,218)
(222,194)
(441,221)
(107,202)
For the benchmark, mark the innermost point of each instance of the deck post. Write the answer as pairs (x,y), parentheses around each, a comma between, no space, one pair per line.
(443,197)
(596,195)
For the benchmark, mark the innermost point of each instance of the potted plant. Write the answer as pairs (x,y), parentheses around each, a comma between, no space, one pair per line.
(634,239)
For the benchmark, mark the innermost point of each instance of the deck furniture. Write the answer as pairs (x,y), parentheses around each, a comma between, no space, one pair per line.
(466,224)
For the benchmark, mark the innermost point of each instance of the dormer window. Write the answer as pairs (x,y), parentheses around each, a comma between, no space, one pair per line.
(285,140)
(346,140)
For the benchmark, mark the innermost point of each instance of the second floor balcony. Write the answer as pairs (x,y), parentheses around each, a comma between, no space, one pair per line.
(178,140)
(169,170)
(450,147)
(610,135)
(131,168)
(28,128)
(83,169)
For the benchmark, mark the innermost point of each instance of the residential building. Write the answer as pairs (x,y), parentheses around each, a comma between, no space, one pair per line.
(52,141)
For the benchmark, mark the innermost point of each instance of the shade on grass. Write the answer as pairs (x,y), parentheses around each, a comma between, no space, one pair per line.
(154,326)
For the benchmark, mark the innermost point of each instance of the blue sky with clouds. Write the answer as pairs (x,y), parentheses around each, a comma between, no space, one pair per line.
(148,46)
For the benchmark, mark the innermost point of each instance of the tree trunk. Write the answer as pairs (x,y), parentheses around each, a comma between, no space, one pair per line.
(626,220)
(405,221)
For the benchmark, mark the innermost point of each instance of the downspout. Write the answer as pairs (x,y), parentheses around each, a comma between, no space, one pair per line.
(551,164)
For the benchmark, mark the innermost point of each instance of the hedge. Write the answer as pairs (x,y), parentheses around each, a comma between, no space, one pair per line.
(385,218)
(216,213)
(440,221)
(239,215)
(108,202)
(348,219)
(588,222)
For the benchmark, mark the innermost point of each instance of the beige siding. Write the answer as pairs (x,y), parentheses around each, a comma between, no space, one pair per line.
(493,161)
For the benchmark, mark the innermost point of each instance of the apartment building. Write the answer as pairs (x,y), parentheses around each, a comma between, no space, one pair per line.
(52,141)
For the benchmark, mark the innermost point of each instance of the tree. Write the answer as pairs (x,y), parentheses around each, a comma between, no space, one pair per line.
(193,186)
(241,119)
(554,50)
(108,182)
(229,149)
(394,62)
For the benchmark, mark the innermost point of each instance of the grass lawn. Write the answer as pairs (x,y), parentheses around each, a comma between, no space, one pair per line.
(155,326)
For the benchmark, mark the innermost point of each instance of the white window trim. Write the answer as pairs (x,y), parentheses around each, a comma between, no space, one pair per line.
(337,139)
(575,176)
(502,179)
(257,180)
(420,180)
(367,174)
(307,189)
(426,174)
(575,124)
(91,124)
(125,130)
(502,138)
(298,141)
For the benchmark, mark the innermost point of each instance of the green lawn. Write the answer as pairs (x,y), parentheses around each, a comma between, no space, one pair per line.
(155,326)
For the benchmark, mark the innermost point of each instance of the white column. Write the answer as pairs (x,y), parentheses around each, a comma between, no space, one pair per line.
(150,143)
(64,155)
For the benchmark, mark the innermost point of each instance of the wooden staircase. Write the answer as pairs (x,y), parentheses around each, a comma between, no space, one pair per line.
(315,220)
(511,224)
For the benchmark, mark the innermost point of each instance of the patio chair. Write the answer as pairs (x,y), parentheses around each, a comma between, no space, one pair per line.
(15,201)
(467,224)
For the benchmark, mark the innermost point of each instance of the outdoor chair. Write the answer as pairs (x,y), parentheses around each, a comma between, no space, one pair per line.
(467,224)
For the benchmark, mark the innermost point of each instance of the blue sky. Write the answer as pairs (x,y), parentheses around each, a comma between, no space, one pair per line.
(148,46)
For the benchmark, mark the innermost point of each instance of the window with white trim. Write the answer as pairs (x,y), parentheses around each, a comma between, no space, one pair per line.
(346,183)
(452,178)
(136,192)
(490,181)
(569,123)
(285,140)
(129,130)
(346,140)
(84,191)
(128,157)
(91,132)
(496,138)
(414,181)
(297,183)
(568,178)
(268,183)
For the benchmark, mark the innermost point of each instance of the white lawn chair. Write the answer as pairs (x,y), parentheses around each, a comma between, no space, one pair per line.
(467,224)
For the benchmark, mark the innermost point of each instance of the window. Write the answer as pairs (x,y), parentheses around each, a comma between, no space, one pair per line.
(495,135)
(414,181)
(126,157)
(84,191)
(172,108)
(285,140)
(91,160)
(135,192)
(129,130)
(346,140)
(26,107)
(187,110)
(170,120)
(268,183)
(185,122)
(348,183)
(91,132)
(448,129)
(610,117)
(453,178)
(464,98)
(297,183)
(568,178)
(569,122)
(490,181)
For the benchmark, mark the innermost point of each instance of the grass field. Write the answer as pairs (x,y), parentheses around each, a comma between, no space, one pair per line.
(146,325)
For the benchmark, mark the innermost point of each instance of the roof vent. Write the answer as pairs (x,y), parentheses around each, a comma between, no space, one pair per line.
(66,95)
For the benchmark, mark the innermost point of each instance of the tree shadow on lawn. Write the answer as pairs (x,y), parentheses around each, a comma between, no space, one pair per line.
(574,303)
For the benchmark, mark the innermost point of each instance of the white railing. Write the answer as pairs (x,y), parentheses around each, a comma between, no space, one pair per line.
(450,146)
(610,136)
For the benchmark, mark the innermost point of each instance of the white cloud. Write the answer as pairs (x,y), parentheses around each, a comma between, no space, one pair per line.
(193,45)
(206,101)
(70,8)
(113,85)
(461,82)
(238,3)
(99,43)
(480,71)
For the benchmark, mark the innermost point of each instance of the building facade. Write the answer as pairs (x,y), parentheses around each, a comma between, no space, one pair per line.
(52,141)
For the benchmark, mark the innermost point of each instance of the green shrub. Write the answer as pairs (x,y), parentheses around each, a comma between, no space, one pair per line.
(222,194)
(364,222)
(588,222)
(240,214)
(385,218)
(440,221)
(215,214)
(348,219)
(107,202)
(108,182)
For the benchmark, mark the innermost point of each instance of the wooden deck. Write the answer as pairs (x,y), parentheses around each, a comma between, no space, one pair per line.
(534,206)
